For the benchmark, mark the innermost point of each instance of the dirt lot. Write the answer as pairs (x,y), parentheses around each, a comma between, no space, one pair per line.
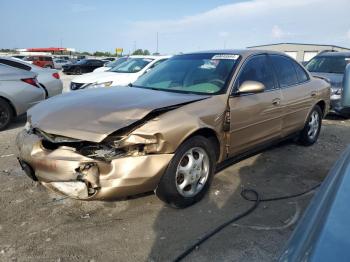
(37,225)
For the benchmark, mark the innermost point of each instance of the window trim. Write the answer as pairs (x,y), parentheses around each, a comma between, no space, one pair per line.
(292,61)
(233,92)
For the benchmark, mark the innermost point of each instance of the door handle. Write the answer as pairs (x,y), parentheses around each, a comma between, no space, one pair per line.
(276,102)
(313,93)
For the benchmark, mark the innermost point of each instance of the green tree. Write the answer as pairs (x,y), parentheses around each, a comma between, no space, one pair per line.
(141,52)
(138,52)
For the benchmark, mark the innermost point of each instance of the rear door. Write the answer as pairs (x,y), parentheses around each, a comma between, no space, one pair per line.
(255,118)
(297,91)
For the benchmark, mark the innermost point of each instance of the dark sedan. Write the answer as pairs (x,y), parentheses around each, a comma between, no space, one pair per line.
(323,233)
(82,66)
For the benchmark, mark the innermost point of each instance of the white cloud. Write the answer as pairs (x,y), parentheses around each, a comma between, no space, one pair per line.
(348,34)
(250,23)
(278,33)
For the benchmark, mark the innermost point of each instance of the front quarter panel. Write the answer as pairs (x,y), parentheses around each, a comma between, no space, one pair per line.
(174,127)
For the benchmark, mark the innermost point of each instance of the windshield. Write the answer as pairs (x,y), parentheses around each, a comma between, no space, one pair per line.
(82,62)
(132,65)
(194,73)
(116,62)
(328,64)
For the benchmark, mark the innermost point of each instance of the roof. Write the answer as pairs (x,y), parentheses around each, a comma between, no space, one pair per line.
(299,44)
(150,56)
(347,54)
(242,52)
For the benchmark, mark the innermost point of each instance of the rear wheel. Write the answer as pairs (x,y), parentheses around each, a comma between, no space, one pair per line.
(6,114)
(189,173)
(312,128)
(78,71)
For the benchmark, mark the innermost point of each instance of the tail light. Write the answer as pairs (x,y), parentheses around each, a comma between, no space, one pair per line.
(56,75)
(31,81)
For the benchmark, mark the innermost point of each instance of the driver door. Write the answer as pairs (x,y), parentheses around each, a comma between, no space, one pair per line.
(256,118)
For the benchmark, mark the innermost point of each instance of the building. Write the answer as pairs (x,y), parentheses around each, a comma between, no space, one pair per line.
(300,52)
(46,51)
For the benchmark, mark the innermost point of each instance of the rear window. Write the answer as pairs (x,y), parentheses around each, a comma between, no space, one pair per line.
(302,75)
(15,64)
(328,64)
(285,71)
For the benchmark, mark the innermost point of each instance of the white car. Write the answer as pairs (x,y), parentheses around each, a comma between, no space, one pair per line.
(58,63)
(113,64)
(49,79)
(121,75)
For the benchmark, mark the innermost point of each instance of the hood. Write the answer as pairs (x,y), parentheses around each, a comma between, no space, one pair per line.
(100,77)
(101,69)
(93,114)
(336,80)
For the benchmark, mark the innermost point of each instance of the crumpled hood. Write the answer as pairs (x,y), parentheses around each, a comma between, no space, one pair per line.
(93,114)
(101,77)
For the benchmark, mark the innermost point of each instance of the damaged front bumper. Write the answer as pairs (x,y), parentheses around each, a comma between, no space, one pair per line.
(67,171)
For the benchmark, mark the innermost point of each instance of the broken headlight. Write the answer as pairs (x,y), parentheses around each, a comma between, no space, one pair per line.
(101,152)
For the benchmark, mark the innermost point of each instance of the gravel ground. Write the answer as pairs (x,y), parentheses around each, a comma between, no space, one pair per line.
(38,225)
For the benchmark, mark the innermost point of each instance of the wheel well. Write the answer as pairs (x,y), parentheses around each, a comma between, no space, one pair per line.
(322,105)
(211,135)
(11,105)
(45,89)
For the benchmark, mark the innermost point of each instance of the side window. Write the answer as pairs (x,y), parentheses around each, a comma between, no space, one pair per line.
(302,75)
(257,69)
(15,64)
(285,71)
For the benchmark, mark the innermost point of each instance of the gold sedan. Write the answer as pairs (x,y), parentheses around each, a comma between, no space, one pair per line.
(171,128)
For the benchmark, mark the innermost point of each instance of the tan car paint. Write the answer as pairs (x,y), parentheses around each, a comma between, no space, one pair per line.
(253,119)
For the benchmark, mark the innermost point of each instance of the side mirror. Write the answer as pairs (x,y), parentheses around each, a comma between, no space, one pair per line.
(251,87)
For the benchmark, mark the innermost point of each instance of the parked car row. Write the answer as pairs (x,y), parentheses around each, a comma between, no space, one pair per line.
(23,85)
(169,130)
(124,73)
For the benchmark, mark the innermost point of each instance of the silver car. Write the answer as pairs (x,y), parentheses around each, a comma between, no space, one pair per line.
(49,79)
(58,63)
(19,90)
(331,65)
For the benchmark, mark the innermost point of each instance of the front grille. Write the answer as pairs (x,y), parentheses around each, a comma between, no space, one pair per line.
(75,86)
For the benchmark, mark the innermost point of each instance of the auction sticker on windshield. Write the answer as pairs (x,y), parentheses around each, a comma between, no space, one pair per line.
(226,57)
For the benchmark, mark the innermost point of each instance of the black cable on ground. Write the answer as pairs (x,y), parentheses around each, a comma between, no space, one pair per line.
(244,193)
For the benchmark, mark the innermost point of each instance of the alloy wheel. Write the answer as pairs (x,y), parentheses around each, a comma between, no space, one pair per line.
(192,172)
(314,124)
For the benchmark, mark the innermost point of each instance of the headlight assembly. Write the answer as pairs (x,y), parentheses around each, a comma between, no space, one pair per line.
(98,85)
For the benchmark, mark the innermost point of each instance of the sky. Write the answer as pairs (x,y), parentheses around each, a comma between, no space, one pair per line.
(181,25)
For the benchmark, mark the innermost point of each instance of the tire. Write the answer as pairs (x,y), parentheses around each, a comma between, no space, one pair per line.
(173,188)
(77,71)
(6,114)
(312,128)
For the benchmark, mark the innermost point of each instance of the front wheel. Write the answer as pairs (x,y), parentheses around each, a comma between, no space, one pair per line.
(312,128)
(189,173)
